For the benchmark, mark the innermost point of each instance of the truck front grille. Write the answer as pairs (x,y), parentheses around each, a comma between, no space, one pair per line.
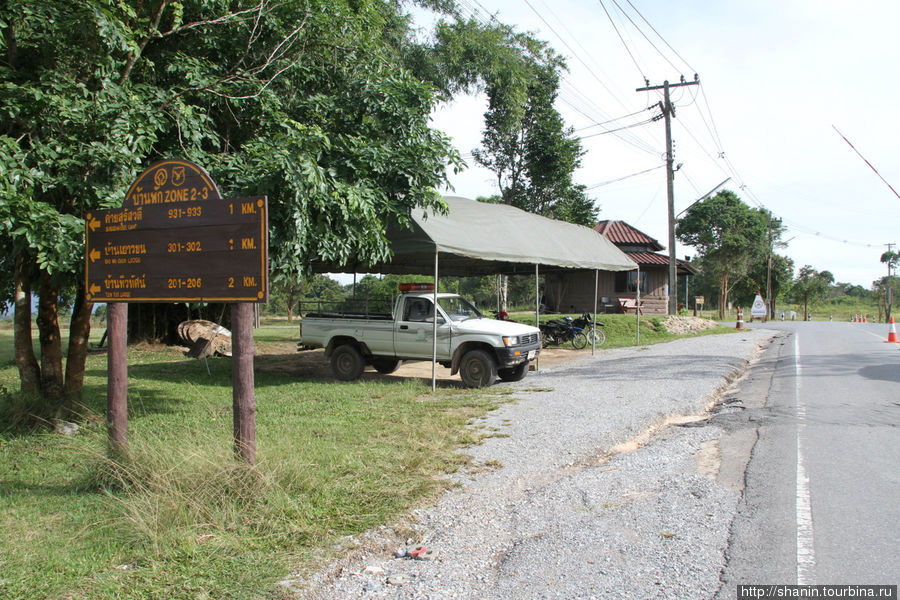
(531,338)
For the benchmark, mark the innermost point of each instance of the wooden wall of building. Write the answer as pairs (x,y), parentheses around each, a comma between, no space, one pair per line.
(573,291)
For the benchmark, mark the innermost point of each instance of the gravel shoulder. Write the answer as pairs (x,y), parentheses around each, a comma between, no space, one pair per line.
(587,489)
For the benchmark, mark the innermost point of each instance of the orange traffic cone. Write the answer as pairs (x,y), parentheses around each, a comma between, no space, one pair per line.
(892,334)
(740,319)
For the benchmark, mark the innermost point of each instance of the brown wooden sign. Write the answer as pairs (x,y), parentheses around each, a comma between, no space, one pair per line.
(175,239)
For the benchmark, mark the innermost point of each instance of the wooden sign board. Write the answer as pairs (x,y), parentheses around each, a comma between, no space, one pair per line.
(175,239)
(699,300)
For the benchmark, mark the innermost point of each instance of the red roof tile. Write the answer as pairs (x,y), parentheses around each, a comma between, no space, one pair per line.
(621,233)
(651,258)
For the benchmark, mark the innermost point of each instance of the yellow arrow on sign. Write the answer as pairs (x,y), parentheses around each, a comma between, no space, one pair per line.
(94,224)
(95,255)
(95,289)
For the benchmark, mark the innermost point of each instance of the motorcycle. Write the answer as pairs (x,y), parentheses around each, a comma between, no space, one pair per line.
(586,322)
(560,331)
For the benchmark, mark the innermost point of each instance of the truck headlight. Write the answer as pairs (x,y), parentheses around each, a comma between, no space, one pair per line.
(511,340)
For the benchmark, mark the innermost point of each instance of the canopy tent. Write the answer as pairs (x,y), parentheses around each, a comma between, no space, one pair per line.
(481,238)
(476,238)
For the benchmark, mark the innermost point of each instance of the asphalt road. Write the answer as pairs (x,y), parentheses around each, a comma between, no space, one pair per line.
(822,497)
(589,488)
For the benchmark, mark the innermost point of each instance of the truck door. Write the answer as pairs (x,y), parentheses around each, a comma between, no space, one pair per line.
(413,331)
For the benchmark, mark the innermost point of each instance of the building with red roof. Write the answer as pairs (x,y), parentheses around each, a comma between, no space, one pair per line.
(572,291)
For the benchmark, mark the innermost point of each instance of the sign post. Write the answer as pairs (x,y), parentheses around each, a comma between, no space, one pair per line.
(176,239)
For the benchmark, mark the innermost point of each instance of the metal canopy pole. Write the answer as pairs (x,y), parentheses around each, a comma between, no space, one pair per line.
(637,308)
(434,327)
(594,324)
(537,311)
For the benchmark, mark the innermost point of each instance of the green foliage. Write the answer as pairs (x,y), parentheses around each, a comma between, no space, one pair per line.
(782,278)
(810,287)
(337,137)
(729,236)
(525,141)
(179,518)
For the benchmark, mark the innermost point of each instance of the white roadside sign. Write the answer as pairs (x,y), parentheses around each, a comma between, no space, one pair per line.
(759,307)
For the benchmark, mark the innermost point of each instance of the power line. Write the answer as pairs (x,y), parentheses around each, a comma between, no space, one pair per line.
(584,137)
(627,49)
(624,177)
(616,119)
(575,54)
(660,37)
(622,134)
(665,58)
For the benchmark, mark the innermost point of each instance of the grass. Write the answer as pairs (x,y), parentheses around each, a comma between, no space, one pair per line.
(833,309)
(621,330)
(180,518)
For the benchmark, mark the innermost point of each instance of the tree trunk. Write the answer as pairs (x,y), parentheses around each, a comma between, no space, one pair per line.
(79,332)
(51,346)
(723,296)
(289,302)
(504,292)
(26,362)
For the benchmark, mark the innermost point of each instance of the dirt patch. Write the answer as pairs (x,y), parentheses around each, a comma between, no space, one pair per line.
(312,364)
(682,325)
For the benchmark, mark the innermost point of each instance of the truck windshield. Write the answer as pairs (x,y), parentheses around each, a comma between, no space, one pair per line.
(459,309)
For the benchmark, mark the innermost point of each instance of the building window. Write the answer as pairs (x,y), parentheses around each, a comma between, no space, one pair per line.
(626,282)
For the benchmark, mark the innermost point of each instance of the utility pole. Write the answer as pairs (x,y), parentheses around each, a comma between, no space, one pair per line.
(669,112)
(770,301)
(889,296)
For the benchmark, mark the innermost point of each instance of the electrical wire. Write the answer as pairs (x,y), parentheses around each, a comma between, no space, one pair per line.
(575,54)
(665,58)
(661,37)
(624,177)
(622,39)
(633,140)
(625,136)
(616,119)
(584,137)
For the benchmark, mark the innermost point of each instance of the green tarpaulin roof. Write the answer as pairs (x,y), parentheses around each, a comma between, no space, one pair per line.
(480,238)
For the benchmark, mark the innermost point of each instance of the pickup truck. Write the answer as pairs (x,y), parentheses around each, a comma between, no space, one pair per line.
(478,348)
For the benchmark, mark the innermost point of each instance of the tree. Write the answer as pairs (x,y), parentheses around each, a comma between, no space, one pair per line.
(882,289)
(529,149)
(757,276)
(285,295)
(729,237)
(306,102)
(810,285)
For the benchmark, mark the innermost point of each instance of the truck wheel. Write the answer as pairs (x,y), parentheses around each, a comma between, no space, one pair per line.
(478,369)
(516,373)
(385,366)
(347,363)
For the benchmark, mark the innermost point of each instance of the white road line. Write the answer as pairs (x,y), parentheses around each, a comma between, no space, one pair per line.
(806,555)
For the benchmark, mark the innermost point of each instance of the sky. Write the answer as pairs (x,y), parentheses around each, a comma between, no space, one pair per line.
(776,79)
